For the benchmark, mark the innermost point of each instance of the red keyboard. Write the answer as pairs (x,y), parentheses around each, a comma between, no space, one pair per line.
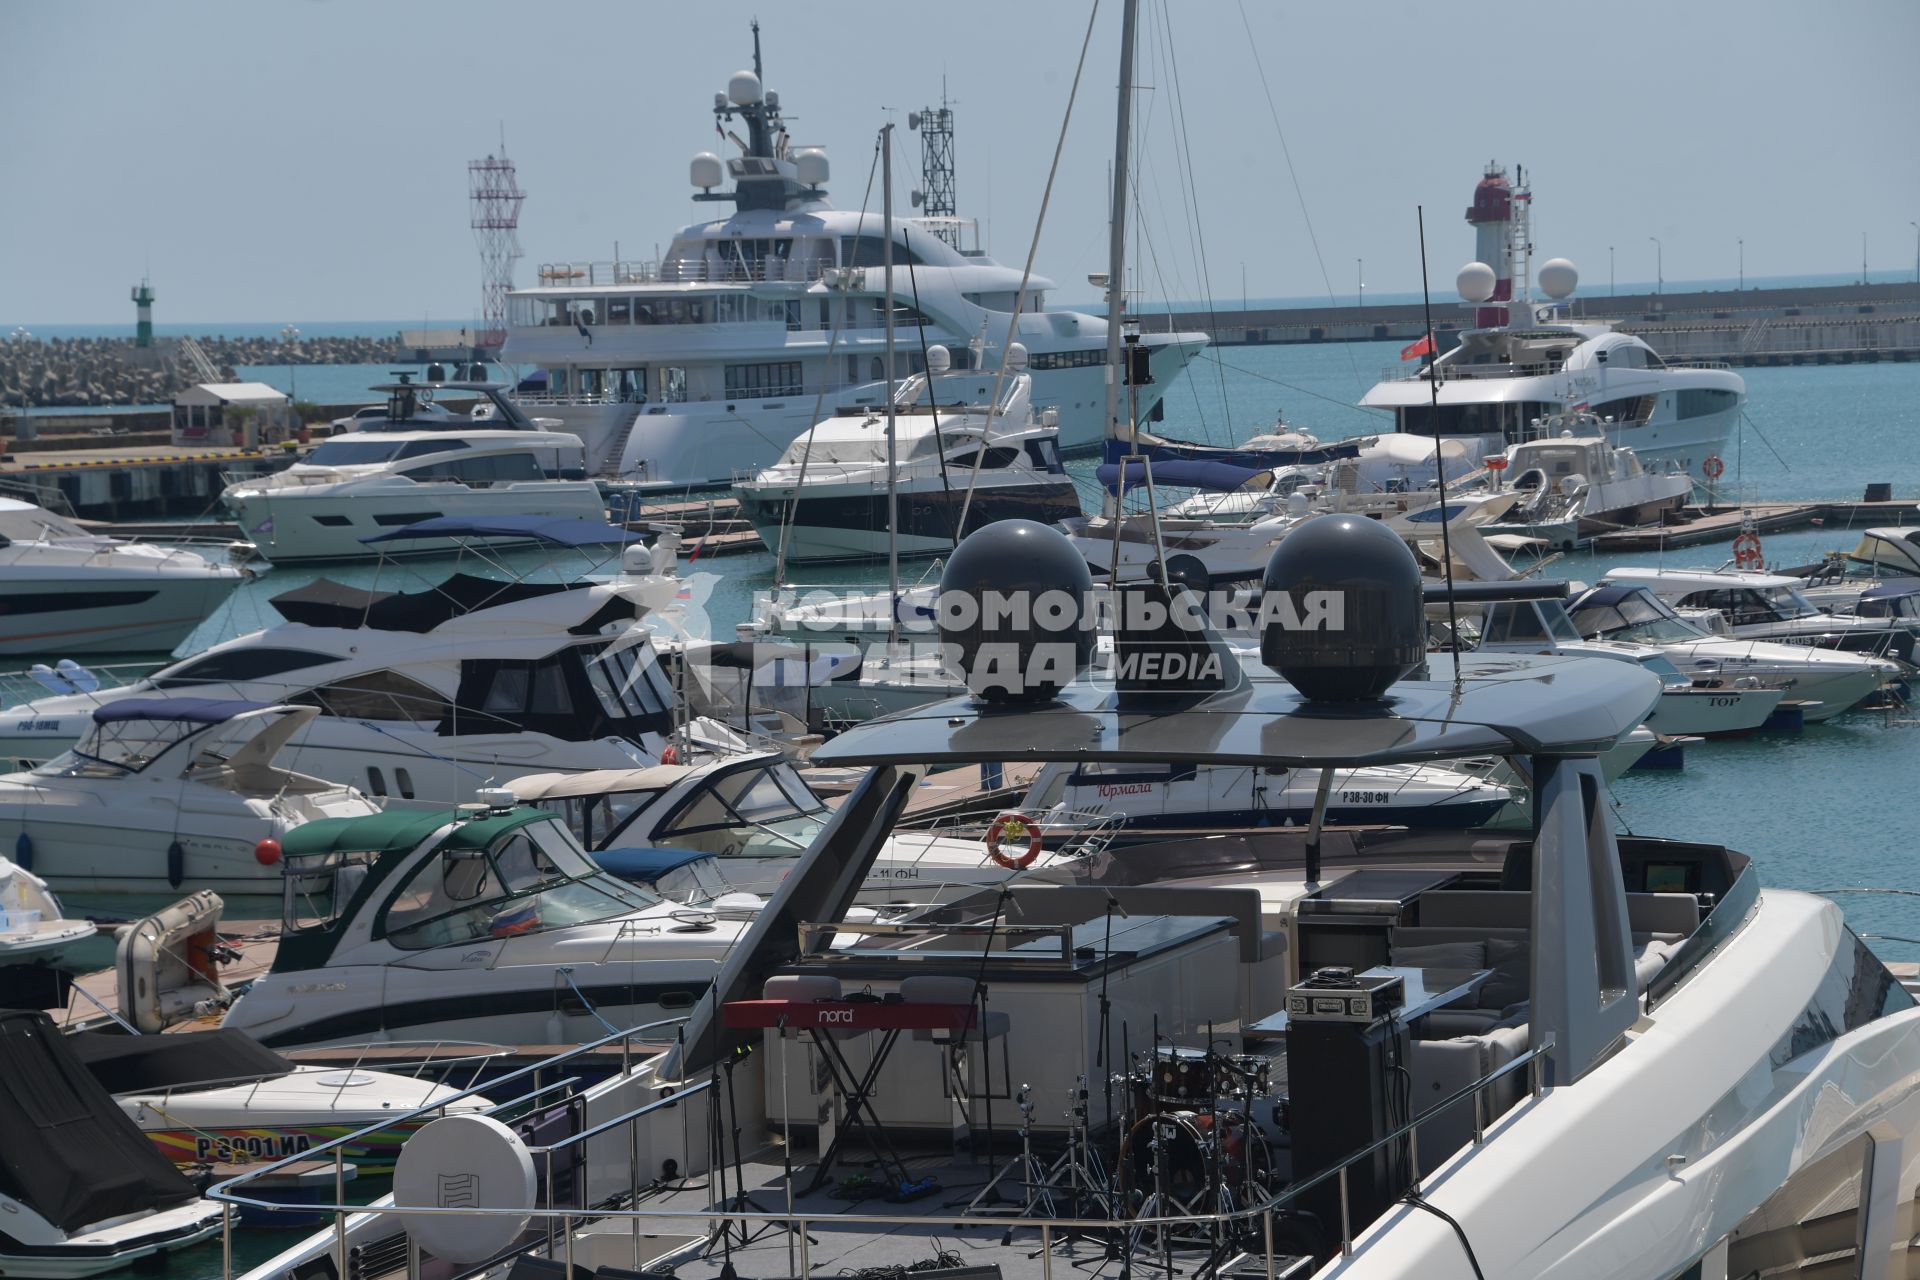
(843,1015)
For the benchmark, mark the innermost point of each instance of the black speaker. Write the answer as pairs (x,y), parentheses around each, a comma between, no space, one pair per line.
(1348,1090)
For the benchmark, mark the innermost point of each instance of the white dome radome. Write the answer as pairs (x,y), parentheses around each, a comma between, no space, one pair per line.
(939,359)
(1476,281)
(810,166)
(705,171)
(1558,278)
(1016,356)
(743,88)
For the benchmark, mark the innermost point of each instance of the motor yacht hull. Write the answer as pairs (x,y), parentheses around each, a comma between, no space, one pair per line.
(1713,713)
(110,1248)
(56,611)
(326,523)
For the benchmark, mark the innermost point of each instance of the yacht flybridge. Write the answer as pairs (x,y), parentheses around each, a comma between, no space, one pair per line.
(712,360)
(1450,1052)
(1527,360)
(410,466)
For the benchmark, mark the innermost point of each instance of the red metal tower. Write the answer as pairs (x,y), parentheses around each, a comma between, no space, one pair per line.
(495,198)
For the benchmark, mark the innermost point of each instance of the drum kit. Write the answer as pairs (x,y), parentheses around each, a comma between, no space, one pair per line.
(1190,1146)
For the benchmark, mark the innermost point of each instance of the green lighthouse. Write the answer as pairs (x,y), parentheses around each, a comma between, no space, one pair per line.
(143,298)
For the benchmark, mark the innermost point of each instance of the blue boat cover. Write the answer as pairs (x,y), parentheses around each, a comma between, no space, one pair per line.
(554,529)
(1890,591)
(1223,477)
(646,866)
(193,710)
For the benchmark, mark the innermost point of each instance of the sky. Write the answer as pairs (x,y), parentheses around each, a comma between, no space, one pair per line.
(268,160)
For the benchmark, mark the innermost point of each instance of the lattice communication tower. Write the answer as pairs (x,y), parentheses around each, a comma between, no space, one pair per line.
(495,198)
(935,195)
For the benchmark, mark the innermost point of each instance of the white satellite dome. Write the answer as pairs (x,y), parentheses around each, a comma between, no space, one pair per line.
(939,359)
(705,171)
(810,166)
(743,88)
(1016,356)
(1476,281)
(1558,278)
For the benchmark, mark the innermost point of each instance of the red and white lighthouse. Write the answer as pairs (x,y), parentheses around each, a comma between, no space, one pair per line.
(1491,214)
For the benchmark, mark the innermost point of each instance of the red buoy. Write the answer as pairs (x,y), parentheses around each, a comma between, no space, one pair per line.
(267,852)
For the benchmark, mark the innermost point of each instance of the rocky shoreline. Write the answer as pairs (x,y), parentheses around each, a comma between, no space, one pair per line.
(88,372)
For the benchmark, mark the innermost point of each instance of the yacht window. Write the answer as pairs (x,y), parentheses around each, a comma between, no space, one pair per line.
(354,453)
(237,665)
(619,310)
(550,693)
(999,456)
(871,251)
(508,693)
(120,747)
(745,798)
(1514,623)
(1046,455)
(377,695)
(1742,607)
(486,469)
(376,782)
(1699,402)
(630,386)
(404,781)
(673,385)
(763,381)
(624,693)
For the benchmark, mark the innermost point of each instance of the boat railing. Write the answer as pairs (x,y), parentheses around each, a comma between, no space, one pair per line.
(17,687)
(1694,364)
(567,399)
(560,1219)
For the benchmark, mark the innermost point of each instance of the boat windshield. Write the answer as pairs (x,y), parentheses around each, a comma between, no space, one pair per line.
(529,880)
(119,747)
(35,524)
(1637,617)
(756,810)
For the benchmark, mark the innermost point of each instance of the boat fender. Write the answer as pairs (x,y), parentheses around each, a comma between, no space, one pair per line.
(23,851)
(176,864)
(1013,828)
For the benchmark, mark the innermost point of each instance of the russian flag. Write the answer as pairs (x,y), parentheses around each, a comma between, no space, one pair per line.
(516,921)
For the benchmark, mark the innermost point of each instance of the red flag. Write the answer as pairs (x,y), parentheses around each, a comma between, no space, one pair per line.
(1424,347)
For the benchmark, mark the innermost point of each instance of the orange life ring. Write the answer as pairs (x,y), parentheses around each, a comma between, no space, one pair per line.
(1746,552)
(1012,826)
(1713,468)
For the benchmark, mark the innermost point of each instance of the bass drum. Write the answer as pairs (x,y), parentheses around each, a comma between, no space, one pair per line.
(1188,1143)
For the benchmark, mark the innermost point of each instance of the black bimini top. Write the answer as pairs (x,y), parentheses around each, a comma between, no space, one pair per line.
(134,1064)
(1506,704)
(326,603)
(67,1150)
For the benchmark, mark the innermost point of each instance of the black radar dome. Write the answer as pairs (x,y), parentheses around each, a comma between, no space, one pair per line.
(1016,610)
(1356,623)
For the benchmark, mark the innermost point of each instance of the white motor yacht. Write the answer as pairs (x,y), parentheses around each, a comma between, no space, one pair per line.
(953,451)
(407,467)
(1825,682)
(688,370)
(1574,486)
(169,793)
(1525,360)
(429,694)
(1770,606)
(33,930)
(486,923)
(64,590)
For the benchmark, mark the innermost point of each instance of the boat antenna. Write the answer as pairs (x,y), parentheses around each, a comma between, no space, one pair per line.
(1439,458)
(893,467)
(756,52)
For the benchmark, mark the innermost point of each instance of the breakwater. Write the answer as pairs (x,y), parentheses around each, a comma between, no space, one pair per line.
(88,372)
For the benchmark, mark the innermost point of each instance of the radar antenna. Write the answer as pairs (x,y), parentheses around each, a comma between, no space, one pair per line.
(935,194)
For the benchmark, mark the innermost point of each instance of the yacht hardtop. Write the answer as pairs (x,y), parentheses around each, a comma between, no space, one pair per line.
(1770,606)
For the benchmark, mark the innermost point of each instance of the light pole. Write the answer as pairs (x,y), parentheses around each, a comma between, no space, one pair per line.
(1360,277)
(1243,287)
(1611,291)
(290,335)
(1863,257)
(1916,250)
(1659,265)
(1743,263)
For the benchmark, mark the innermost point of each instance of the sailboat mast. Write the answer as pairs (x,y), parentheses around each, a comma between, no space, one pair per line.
(893,470)
(1117,226)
